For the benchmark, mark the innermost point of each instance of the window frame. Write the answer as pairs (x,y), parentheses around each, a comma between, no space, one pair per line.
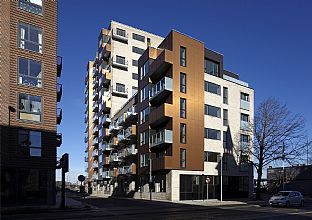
(137,50)
(29,27)
(182,84)
(182,133)
(207,134)
(29,72)
(208,88)
(225,117)
(24,2)
(209,108)
(40,114)
(214,64)
(182,158)
(137,37)
(182,56)
(225,95)
(182,110)
(28,143)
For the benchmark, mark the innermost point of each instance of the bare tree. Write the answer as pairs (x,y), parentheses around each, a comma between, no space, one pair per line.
(278,136)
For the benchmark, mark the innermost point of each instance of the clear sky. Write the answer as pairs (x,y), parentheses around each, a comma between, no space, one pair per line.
(268,43)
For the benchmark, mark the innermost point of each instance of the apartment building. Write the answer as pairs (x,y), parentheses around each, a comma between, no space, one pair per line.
(194,119)
(29,92)
(111,80)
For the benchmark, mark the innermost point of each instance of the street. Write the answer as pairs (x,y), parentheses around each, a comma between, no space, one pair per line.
(111,208)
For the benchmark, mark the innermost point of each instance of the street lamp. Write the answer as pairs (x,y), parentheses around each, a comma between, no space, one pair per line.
(11,109)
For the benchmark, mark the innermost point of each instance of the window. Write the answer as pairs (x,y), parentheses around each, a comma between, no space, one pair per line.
(212,88)
(183,82)
(29,72)
(135,76)
(182,158)
(144,137)
(211,67)
(225,139)
(144,115)
(212,134)
(244,117)
(145,93)
(143,160)
(29,107)
(137,50)
(211,156)
(120,87)
(212,111)
(244,138)
(182,56)
(33,6)
(183,133)
(120,60)
(144,69)
(134,63)
(245,97)
(120,32)
(134,90)
(32,140)
(29,37)
(225,117)
(225,95)
(182,108)
(138,37)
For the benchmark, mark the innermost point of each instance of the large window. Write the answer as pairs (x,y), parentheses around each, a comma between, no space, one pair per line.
(182,108)
(144,137)
(212,88)
(182,158)
(211,67)
(120,87)
(137,50)
(29,37)
(29,107)
(120,32)
(143,160)
(30,140)
(33,6)
(225,95)
(144,115)
(182,133)
(183,82)
(212,134)
(120,60)
(245,97)
(138,37)
(244,117)
(212,111)
(144,69)
(182,56)
(145,93)
(29,72)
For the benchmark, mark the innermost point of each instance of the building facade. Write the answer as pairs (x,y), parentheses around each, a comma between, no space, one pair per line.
(111,80)
(29,93)
(193,114)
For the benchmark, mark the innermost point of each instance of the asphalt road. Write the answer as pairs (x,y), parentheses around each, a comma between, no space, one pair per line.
(107,208)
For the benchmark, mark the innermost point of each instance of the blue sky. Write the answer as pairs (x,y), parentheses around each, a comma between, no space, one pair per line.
(268,43)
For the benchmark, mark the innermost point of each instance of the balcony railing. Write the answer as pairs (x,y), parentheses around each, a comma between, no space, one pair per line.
(114,158)
(120,35)
(106,119)
(95,118)
(161,89)
(113,128)
(106,50)
(106,77)
(59,115)
(245,125)
(163,137)
(245,105)
(95,153)
(95,141)
(59,92)
(130,169)
(95,130)
(105,134)
(31,7)
(130,131)
(131,150)
(59,61)
(95,165)
(58,139)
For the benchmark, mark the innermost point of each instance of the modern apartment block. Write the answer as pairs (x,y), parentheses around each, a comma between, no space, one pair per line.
(29,92)
(111,80)
(192,115)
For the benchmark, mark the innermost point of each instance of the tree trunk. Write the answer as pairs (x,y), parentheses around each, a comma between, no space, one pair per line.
(259,183)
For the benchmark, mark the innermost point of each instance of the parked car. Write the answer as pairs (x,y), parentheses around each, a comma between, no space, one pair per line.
(287,198)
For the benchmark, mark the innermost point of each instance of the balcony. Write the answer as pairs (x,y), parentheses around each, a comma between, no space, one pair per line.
(121,153)
(107,76)
(131,150)
(130,169)
(106,107)
(120,63)
(95,153)
(29,6)
(106,161)
(86,118)
(106,120)
(95,84)
(58,139)
(161,64)
(106,51)
(121,171)
(95,118)
(113,142)
(160,115)
(105,134)
(87,98)
(95,95)
(59,115)
(113,128)
(86,139)
(95,141)
(120,35)
(245,125)
(160,91)
(94,73)
(95,106)
(114,158)
(107,147)
(245,105)
(59,62)
(59,91)
(86,149)
(86,159)
(130,132)
(161,139)
(120,92)
(95,130)
(131,115)
(95,165)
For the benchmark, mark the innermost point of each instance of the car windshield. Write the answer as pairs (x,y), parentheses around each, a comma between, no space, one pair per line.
(282,194)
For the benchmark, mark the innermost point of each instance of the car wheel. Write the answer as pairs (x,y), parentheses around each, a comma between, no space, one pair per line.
(287,204)
(302,203)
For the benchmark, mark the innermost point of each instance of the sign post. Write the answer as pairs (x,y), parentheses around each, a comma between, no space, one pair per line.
(207,181)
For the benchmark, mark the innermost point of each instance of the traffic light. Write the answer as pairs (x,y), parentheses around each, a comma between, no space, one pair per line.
(64,163)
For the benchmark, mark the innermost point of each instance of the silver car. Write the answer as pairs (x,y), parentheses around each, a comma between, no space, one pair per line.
(287,198)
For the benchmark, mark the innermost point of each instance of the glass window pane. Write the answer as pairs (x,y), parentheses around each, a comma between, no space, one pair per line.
(23,138)
(35,139)
(22,66)
(34,35)
(35,69)
(35,104)
(35,152)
